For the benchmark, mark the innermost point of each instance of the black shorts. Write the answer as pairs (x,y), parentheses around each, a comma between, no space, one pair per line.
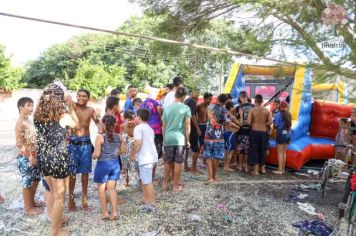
(194,140)
(258,147)
(159,144)
(174,154)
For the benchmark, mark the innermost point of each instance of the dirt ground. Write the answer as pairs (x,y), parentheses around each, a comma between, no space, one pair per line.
(238,205)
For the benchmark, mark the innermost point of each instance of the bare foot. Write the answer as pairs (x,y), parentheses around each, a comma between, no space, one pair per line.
(216,180)
(105,216)
(239,168)
(114,217)
(72,206)
(278,172)
(263,170)
(186,169)
(209,181)
(165,186)
(197,172)
(228,169)
(33,211)
(177,189)
(255,173)
(65,219)
(38,204)
(120,201)
(62,232)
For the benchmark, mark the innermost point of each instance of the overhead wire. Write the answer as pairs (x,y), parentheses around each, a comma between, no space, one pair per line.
(152,38)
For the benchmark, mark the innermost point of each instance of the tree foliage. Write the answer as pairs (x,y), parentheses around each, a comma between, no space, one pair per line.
(144,62)
(293,25)
(96,78)
(10,77)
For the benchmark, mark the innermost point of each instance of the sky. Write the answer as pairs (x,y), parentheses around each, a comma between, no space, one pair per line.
(26,40)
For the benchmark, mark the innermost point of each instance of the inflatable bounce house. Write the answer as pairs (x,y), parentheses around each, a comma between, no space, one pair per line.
(314,122)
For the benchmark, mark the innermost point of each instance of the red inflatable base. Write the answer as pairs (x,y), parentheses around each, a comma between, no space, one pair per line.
(296,159)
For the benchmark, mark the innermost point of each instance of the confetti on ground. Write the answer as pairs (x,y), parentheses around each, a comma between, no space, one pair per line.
(239,204)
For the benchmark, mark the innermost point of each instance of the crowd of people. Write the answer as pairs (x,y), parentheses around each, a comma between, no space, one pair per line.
(56,146)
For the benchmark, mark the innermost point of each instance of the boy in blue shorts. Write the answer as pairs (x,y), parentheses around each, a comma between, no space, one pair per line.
(80,147)
(26,157)
(214,145)
(147,156)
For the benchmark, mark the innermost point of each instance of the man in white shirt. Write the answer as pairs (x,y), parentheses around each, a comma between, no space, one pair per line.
(144,148)
(170,98)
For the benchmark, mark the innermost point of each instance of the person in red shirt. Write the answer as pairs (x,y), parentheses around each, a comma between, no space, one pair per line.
(112,106)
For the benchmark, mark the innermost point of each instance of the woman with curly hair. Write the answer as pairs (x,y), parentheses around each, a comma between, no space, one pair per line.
(52,152)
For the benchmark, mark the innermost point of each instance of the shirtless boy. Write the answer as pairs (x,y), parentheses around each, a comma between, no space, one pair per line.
(202,115)
(80,147)
(258,118)
(26,157)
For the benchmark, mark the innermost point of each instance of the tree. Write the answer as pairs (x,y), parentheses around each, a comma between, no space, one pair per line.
(145,62)
(292,24)
(97,78)
(10,77)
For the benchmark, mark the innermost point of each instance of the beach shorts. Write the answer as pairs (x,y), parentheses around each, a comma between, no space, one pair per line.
(159,144)
(107,170)
(202,128)
(214,149)
(243,143)
(174,154)
(194,140)
(258,147)
(80,151)
(283,137)
(29,173)
(230,140)
(146,173)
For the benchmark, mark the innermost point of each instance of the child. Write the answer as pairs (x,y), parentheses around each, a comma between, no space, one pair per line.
(147,155)
(342,139)
(127,133)
(282,122)
(230,137)
(136,103)
(107,169)
(80,147)
(26,157)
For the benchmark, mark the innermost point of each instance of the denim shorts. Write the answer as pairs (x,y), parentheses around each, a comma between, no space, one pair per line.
(214,149)
(107,170)
(146,173)
(283,137)
(80,151)
(29,173)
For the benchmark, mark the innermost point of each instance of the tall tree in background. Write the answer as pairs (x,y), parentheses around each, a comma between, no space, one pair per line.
(10,77)
(293,25)
(144,62)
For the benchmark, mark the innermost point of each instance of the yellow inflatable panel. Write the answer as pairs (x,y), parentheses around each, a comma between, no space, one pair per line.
(268,70)
(341,90)
(324,86)
(232,77)
(297,92)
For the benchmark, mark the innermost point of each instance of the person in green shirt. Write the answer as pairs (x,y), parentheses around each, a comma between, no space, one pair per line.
(176,132)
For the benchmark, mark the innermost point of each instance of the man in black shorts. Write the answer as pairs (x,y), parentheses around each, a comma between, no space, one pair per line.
(244,131)
(195,133)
